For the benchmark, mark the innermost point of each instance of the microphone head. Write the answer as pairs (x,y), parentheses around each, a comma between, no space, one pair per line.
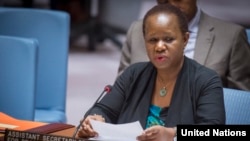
(108,88)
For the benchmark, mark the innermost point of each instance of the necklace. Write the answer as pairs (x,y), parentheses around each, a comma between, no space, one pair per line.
(163,90)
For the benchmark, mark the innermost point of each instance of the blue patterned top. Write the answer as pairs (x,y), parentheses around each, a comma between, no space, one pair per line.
(155,117)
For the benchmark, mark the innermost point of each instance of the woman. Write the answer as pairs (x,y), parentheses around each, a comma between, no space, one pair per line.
(169,90)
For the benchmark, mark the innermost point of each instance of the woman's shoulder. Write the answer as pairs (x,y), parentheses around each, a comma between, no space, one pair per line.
(138,68)
(199,71)
(137,71)
(140,65)
(201,77)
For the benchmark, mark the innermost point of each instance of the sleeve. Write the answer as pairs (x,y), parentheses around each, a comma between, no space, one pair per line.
(111,104)
(126,51)
(210,102)
(239,66)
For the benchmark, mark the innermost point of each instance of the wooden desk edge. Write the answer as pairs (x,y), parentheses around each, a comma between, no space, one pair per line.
(66,133)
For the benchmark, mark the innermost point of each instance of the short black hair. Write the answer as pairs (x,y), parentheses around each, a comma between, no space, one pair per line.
(169,9)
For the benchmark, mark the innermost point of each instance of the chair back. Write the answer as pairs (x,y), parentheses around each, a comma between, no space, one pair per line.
(18,63)
(237,105)
(51,29)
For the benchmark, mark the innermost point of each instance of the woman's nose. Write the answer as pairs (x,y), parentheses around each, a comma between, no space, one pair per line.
(160,46)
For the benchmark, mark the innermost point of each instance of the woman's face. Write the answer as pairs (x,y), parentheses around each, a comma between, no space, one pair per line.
(164,40)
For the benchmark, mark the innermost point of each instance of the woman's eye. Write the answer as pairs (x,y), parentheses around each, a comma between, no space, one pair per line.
(168,39)
(152,40)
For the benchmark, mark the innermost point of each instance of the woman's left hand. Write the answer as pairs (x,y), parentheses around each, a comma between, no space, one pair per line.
(157,133)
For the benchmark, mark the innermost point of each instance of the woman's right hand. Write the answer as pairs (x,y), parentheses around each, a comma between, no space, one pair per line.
(86,130)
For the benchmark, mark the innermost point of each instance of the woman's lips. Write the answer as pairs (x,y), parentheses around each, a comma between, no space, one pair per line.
(160,58)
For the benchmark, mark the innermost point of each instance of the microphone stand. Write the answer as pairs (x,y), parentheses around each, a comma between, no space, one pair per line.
(107,89)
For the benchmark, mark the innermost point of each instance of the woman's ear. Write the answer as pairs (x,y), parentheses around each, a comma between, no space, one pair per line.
(185,38)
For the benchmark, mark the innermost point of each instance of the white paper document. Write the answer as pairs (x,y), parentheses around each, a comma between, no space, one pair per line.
(116,132)
(3,125)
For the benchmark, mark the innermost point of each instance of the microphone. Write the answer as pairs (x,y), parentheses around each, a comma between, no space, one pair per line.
(106,90)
